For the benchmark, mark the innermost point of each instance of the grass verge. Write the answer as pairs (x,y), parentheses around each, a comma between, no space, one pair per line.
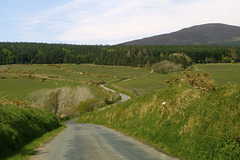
(29,149)
(21,125)
(191,125)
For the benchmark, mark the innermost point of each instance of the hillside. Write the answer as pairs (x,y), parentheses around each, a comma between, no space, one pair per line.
(212,33)
(191,125)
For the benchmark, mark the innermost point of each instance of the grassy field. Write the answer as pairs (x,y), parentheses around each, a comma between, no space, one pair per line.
(24,79)
(222,73)
(18,81)
(143,84)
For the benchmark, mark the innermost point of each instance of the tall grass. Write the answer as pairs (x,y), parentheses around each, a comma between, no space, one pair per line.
(18,126)
(191,125)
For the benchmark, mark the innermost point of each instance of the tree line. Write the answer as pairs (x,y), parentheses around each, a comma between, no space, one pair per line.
(136,56)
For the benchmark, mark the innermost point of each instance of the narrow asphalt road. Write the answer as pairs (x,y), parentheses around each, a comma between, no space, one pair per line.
(124,97)
(94,142)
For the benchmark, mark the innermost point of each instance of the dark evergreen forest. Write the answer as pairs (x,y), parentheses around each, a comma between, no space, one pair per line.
(136,56)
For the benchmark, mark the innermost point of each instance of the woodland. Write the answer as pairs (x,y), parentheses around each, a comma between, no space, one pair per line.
(121,55)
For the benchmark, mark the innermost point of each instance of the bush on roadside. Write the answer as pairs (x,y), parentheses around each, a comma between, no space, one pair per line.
(88,105)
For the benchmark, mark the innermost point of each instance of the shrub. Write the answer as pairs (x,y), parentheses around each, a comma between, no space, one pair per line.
(165,67)
(201,80)
(88,105)
(180,58)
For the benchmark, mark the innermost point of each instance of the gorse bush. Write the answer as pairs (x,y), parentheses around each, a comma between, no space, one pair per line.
(201,80)
(19,126)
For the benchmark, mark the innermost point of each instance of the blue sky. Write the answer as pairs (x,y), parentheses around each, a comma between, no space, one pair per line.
(107,21)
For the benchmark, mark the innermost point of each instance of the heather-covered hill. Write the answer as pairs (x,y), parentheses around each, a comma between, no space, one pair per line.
(212,33)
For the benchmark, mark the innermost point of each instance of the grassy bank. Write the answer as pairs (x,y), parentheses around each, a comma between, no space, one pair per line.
(19,126)
(191,125)
(29,149)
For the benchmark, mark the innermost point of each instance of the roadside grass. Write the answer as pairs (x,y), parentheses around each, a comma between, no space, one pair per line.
(191,125)
(21,125)
(29,149)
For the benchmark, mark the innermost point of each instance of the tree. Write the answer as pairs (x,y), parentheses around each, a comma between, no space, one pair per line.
(52,102)
(166,67)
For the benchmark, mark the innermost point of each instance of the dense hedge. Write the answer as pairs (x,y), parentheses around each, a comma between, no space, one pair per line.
(18,126)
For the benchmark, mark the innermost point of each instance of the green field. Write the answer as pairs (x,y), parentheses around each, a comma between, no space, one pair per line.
(21,80)
(222,73)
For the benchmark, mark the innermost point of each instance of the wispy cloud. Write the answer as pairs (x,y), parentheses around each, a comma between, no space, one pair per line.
(115,21)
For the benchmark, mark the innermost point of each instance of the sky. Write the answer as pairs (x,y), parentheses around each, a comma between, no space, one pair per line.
(107,22)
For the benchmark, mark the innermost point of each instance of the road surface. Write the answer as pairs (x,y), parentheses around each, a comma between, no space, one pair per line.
(94,142)
(124,97)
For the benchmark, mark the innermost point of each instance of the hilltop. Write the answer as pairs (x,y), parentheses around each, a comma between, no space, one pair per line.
(211,33)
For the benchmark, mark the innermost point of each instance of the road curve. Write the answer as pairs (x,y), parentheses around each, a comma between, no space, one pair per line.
(94,142)
(124,97)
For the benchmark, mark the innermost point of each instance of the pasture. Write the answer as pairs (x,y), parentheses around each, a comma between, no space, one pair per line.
(18,81)
(222,73)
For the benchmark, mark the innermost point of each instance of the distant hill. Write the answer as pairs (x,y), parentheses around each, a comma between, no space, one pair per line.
(212,33)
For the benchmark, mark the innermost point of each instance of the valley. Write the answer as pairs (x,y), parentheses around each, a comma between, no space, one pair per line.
(147,90)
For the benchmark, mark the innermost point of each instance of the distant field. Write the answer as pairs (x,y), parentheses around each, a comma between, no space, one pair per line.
(97,70)
(18,81)
(222,73)
(145,83)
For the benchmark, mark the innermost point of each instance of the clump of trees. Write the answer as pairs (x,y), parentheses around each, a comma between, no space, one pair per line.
(200,80)
(61,101)
(174,62)
(166,66)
